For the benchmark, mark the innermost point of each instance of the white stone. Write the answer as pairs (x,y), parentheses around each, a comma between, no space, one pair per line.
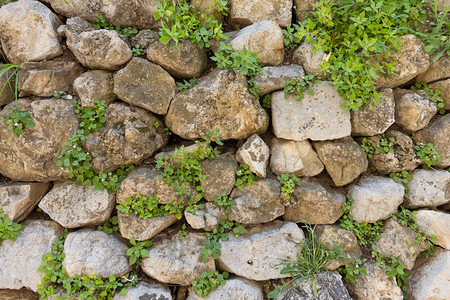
(245,12)
(437,223)
(428,188)
(274,78)
(234,289)
(144,290)
(254,153)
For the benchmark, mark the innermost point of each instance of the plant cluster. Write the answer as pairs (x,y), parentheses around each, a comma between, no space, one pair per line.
(298,85)
(183,231)
(138,250)
(17,120)
(148,207)
(394,267)
(209,282)
(186,85)
(288,182)
(427,154)
(351,271)
(267,101)
(11,74)
(9,229)
(384,145)
(62,95)
(137,50)
(433,93)
(111,226)
(224,201)
(402,177)
(101,23)
(244,176)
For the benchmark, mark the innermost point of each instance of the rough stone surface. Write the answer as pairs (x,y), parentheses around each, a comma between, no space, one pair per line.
(221,101)
(343,158)
(444,86)
(413,109)
(375,198)
(144,38)
(297,158)
(274,78)
(128,137)
(235,288)
(207,218)
(438,70)
(146,85)
(19,260)
(255,153)
(132,226)
(411,61)
(303,7)
(22,294)
(259,203)
(437,223)
(19,199)
(177,260)
(220,176)
(95,252)
(252,254)
(314,204)
(369,121)
(28,32)
(428,188)
(305,56)
(263,37)
(31,157)
(94,85)
(246,12)
(317,117)
(146,291)
(73,206)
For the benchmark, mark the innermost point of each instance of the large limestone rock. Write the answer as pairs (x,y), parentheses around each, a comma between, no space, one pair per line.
(376,198)
(177,260)
(246,12)
(253,254)
(255,153)
(428,188)
(274,78)
(28,32)
(144,290)
(128,137)
(92,85)
(305,56)
(219,101)
(95,252)
(235,288)
(132,226)
(31,157)
(146,85)
(19,260)
(444,86)
(317,117)
(75,206)
(437,223)
(220,176)
(438,70)
(18,199)
(206,218)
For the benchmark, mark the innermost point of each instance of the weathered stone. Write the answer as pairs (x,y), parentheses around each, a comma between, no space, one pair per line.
(235,288)
(343,158)
(19,260)
(132,226)
(7,83)
(253,254)
(220,176)
(317,117)
(438,133)
(94,85)
(258,203)
(372,120)
(444,86)
(428,188)
(128,137)
(255,153)
(221,101)
(207,218)
(274,78)
(146,291)
(297,158)
(75,206)
(175,153)
(413,109)
(28,31)
(19,199)
(31,156)
(177,260)
(375,198)
(263,37)
(305,56)
(411,61)
(22,294)
(209,6)
(246,12)
(144,38)
(314,204)
(437,223)
(303,8)
(95,252)
(438,70)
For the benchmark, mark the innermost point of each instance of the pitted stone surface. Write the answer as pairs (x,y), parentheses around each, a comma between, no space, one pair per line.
(428,188)
(235,288)
(254,153)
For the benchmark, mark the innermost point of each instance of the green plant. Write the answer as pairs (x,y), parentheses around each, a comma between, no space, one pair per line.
(17,120)
(9,229)
(288,182)
(209,282)
(11,74)
(183,231)
(244,176)
(111,226)
(433,93)
(148,207)
(351,271)
(383,145)
(101,23)
(427,154)
(298,85)
(138,251)
(224,201)
(62,95)
(402,177)
(267,101)
(187,85)
(137,50)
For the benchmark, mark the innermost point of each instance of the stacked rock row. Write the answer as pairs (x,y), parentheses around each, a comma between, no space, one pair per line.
(315,139)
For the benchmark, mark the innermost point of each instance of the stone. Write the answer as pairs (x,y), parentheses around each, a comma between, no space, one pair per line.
(43,79)
(317,117)
(261,202)
(438,133)
(438,70)
(297,158)
(7,83)
(220,176)
(304,55)
(144,38)
(274,78)
(411,61)
(128,137)
(75,206)
(413,109)
(19,199)
(144,290)
(235,288)
(20,259)
(95,252)
(376,198)
(175,153)
(428,188)
(221,101)
(209,6)
(314,204)
(444,86)
(22,294)
(302,8)
(206,218)
(253,254)
(437,223)
(31,156)
(28,32)
(144,84)
(246,12)
(343,158)
(255,153)
(132,226)
(177,260)
(263,37)
(371,120)
(92,85)
(187,61)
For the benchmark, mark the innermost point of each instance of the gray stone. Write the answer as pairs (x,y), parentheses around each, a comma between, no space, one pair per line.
(95,252)
(438,70)
(428,188)
(132,226)
(19,260)
(437,223)
(274,78)
(28,32)
(144,38)
(146,291)
(444,86)
(209,6)
(19,199)
(343,158)
(8,86)
(311,60)
(246,12)
(22,294)
(92,85)
(235,288)
(207,218)
(255,153)
(317,117)
(220,176)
